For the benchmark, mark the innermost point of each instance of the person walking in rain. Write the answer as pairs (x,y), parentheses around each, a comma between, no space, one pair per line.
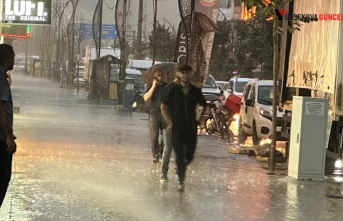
(179,108)
(7,144)
(153,98)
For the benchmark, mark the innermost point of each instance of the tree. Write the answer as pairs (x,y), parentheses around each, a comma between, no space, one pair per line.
(165,43)
(267,9)
(255,46)
(139,50)
(222,62)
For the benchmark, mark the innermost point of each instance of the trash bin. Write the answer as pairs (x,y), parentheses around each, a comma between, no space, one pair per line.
(129,94)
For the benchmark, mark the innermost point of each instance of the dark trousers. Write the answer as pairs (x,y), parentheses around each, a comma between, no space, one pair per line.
(5,170)
(156,125)
(184,145)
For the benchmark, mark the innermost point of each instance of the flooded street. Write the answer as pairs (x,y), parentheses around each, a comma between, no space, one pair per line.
(85,160)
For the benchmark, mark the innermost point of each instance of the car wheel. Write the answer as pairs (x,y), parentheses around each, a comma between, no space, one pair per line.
(255,139)
(242,136)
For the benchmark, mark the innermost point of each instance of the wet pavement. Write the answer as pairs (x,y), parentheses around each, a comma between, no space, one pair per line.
(82,160)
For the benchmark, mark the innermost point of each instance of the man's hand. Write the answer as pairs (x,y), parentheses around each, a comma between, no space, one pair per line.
(11,145)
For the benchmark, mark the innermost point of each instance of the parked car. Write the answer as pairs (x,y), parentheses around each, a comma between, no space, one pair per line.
(139,87)
(255,116)
(211,88)
(79,77)
(20,65)
(224,86)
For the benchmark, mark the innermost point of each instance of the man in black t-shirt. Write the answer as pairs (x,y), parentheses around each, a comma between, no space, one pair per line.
(153,97)
(7,139)
(179,109)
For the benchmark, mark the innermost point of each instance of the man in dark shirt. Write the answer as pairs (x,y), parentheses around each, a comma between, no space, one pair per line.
(153,98)
(7,143)
(179,108)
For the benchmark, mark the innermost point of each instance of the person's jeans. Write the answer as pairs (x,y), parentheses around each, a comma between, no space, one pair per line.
(155,124)
(5,170)
(167,149)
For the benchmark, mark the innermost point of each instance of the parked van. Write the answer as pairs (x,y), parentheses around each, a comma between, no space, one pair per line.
(256,112)
(234,92)
(237,84)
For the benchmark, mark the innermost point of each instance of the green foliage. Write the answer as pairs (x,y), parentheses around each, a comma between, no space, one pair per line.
(254,46)
(139,52)
(222,62)
(164,44)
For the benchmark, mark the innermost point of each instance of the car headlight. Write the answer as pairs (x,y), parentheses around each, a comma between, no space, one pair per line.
(266,113)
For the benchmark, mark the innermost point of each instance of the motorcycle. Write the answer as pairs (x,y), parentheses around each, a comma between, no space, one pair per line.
(218,118)
(215,118)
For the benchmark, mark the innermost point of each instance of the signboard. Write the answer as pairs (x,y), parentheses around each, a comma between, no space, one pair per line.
(15,31)
(108,32)
(27,12)
(313,108)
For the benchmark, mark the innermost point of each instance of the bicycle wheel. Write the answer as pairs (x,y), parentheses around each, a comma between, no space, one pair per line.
(224,129)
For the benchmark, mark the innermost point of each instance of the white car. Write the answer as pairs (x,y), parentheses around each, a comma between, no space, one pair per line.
(79,79)
(256,112)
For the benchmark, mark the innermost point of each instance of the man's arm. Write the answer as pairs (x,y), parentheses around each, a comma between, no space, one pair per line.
(202,104)
(165,114)
(5,126)
(4,120)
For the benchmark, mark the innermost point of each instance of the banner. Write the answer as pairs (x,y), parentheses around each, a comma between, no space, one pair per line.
(196,35)
(313,60)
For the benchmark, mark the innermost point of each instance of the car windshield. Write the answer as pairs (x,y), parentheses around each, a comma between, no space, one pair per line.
(210,83)
(265,95)
(223,86)
(239,86)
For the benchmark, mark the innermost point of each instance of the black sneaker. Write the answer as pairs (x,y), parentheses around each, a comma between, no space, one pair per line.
(181,187)
(163,178)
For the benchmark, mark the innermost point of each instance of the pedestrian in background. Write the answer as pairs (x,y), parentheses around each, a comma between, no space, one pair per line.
(7,144)
(179,109)
(153,97)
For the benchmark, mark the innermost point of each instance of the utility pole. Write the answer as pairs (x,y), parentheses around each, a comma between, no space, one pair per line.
(140,23)
(121,82)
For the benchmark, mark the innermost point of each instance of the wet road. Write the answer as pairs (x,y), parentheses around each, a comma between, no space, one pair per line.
(78,160)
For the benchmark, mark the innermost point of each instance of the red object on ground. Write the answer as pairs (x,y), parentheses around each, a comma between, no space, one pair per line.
(234,103)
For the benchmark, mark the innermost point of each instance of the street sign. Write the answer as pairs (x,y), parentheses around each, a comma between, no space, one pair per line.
(108,32)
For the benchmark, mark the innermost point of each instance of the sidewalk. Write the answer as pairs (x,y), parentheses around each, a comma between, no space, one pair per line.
(78,160)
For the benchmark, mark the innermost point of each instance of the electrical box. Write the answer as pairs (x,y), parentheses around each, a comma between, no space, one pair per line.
(307,149)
